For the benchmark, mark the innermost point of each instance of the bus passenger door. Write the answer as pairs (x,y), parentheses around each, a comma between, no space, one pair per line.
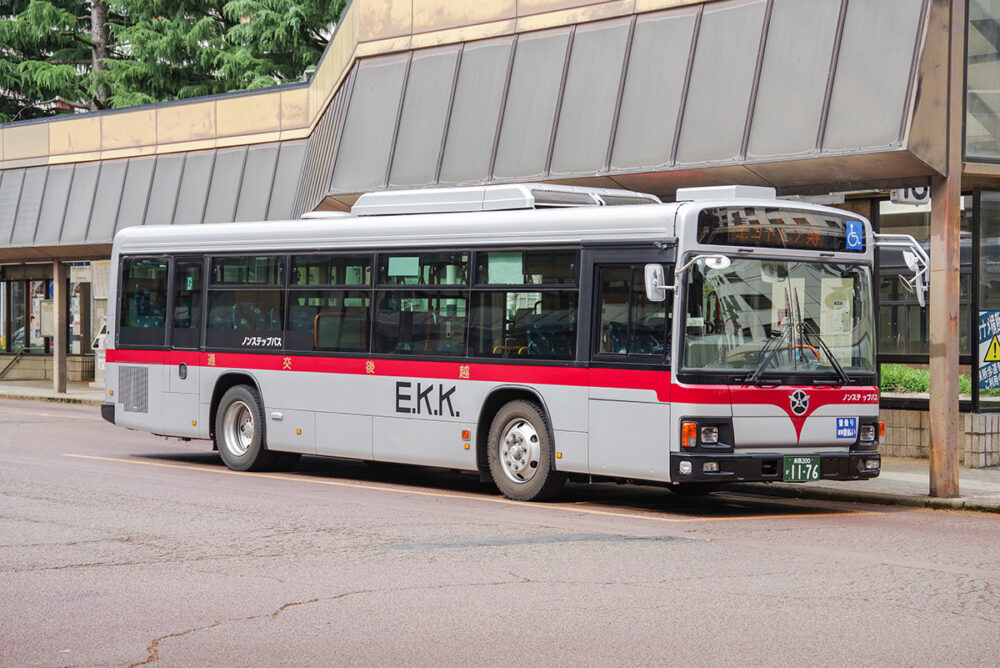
(181,400)
(629,410)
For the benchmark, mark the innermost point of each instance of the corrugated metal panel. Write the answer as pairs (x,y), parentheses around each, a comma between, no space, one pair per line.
(422,123)
(135,194)
(475,111)
(81,201)
(226,177)
(317,169)
(50,218)
(107,201)
(722,78)
(869,90)
(529,112)
(10,192)
(194,187)
(363,156)
(794,77)
(287,176)
(258,177)
(590,98)
(654,84)
(163,192)
(28,207)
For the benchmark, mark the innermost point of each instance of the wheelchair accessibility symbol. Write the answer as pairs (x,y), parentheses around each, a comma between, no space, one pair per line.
(855,238)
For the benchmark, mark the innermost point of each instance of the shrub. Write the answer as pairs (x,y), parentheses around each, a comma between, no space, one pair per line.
(901,378)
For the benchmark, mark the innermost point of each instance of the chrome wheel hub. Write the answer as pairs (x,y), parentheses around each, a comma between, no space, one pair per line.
(238,428)
(519,450)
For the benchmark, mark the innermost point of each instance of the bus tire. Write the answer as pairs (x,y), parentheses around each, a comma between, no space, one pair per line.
(239,431)
(520,453)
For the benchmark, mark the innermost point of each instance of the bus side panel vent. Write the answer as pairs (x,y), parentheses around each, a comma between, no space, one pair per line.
(133,389)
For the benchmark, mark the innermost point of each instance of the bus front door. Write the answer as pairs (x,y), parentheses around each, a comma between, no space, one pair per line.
(629,409)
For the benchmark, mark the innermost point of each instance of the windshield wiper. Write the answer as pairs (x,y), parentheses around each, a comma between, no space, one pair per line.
(769,350)
(811,334)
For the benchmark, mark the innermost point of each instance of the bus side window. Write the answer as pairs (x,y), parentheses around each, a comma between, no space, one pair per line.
(630,324)
(143,305)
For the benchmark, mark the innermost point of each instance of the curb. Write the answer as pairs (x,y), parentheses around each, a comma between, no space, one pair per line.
(50,399)
(877,498)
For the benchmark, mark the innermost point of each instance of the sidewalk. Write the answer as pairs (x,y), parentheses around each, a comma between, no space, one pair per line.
(902,482)
(41,390)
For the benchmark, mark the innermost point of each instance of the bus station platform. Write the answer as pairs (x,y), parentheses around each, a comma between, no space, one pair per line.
(902,482)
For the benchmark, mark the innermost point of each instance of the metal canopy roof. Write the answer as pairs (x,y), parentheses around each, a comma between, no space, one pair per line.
(800,95)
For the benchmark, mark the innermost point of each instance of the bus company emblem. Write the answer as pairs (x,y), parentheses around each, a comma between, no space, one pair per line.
(799,401)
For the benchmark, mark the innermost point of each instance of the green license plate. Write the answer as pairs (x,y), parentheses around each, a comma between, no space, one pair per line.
(800,469)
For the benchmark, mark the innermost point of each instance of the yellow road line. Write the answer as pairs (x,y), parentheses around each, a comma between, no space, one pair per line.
(451,495)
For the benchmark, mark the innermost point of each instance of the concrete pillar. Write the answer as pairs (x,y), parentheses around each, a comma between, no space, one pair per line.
(60,315)
(946,195)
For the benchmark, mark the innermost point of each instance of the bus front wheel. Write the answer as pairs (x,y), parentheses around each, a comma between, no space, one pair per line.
(239,431)
(520,453)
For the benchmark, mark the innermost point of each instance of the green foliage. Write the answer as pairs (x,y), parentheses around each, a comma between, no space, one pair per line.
(902,378)
(157,50)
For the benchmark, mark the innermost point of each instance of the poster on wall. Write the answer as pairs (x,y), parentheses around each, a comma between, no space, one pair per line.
(100,274)
(989,350)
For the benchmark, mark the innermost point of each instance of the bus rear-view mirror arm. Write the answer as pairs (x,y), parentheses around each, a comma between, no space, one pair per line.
(916,260)
(656,287)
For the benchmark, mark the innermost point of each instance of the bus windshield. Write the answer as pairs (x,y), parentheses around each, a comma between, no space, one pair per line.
(778,316)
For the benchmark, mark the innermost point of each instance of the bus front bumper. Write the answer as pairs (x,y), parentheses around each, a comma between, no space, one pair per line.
(768,467)
(108,412)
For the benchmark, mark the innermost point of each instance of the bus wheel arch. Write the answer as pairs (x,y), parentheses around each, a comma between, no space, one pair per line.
(496,400)
(222,385)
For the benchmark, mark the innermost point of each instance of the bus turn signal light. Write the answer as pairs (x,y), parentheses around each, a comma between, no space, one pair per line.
(689,434)
(881,428)
(466,434)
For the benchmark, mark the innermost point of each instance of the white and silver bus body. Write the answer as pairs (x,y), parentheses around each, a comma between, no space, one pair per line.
(409,410)
(606,419)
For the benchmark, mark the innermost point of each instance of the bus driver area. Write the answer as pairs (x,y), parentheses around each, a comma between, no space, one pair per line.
(532,333)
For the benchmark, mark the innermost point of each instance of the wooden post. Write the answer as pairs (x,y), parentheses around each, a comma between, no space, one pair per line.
(60,315)
(946,196)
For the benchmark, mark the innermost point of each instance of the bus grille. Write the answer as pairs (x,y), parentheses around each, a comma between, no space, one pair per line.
(133,389)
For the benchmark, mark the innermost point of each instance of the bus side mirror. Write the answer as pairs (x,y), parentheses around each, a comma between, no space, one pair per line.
(656,291)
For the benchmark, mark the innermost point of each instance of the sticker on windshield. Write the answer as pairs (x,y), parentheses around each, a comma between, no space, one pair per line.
(695,322)
(847,428)
(855,235)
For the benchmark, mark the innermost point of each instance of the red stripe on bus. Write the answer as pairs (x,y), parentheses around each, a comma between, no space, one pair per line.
(629,379)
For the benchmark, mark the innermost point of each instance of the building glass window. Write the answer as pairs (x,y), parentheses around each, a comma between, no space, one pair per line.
(903,324)
(982,115)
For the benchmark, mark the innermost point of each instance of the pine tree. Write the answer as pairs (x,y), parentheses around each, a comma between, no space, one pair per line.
(57,56)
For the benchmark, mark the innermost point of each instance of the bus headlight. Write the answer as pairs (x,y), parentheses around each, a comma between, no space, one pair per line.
(867,433)
(710,435)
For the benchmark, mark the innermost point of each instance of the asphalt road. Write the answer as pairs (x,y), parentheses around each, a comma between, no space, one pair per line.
(121,548)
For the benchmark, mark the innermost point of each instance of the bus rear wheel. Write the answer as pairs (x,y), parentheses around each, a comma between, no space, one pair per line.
(239,431)
(520,453)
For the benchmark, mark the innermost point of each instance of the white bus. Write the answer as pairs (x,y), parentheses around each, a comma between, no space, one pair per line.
(532,333)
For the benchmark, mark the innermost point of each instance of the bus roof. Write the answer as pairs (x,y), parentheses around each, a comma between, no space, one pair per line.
(528,227)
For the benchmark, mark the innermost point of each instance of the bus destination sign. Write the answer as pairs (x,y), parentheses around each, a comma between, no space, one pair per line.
(768,227)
